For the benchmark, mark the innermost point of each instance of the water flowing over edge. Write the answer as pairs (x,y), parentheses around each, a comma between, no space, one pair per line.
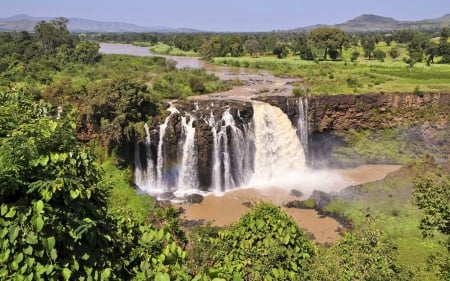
(267,151)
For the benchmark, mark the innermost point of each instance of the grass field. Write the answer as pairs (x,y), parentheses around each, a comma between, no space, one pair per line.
(164,49)
(361,76)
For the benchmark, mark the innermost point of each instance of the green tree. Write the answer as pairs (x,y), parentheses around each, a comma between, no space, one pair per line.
(53,34)
(379,54)
(368,45)
(265,244)
(87,52)
(444,46)
(54,223)
(280,50)
(417,46)
(364,255)
(432,195)
(394,53)
(252,47)
(328,41)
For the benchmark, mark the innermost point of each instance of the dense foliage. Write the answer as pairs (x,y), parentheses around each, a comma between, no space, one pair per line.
(265,244)
(54,219)
(432,195)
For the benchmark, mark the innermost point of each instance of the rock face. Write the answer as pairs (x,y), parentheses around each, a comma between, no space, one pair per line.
(374,111)
(330,117)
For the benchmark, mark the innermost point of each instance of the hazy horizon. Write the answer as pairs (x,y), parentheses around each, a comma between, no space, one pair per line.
(231,15)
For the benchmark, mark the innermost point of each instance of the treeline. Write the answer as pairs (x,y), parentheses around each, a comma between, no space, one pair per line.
(32,57)
(320,43)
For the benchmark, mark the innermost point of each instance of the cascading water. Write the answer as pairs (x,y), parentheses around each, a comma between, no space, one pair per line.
(262,151)
(188,178)
(231,154)
(302,123)
(279,156)
(145,178)
(161,151)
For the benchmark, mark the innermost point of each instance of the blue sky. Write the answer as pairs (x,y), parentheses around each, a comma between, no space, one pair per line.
(230,15)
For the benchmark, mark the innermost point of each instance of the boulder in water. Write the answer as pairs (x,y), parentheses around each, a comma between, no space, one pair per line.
(296,193)
(194,198)
(321,198)
(295,204)
(166,196)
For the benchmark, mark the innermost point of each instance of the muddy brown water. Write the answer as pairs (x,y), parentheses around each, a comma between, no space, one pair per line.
(224,209)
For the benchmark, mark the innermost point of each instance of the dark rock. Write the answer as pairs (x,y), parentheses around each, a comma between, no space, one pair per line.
(295,204)
(189,224)
(247,204)
(321,198)
(296,193)
(194,198)
(166,196)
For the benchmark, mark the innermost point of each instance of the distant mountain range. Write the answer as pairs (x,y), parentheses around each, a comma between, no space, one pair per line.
(363,23)
(367,23)
(26,22)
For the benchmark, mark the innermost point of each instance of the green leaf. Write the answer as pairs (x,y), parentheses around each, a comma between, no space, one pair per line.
(38,223)
(13,233)
(162,277)
(260,223)
(43,160)
(74,193)
(4,209)
(18,257)
(106,273)
(31,238)
(49,243)
(66,273)
(28,251)
(53,254)
(11,213)
(54,157)
(38,207)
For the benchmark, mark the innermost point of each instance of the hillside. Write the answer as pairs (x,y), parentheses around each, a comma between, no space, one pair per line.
(369,22)
(26,22)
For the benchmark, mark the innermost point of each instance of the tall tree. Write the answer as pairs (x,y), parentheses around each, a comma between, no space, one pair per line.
(328,41)
(53,34)
(368,44)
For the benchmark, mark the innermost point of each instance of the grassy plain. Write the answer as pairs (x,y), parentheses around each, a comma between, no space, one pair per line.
(361,76)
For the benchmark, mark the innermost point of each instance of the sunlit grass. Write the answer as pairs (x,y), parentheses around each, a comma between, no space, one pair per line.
(363,76)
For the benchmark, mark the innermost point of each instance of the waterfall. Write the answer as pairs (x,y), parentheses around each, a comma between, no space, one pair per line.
(302,124)
(188,178)
(231,154)
(279,155)
(265,150)
(216,163)
(161,151)
(145,179)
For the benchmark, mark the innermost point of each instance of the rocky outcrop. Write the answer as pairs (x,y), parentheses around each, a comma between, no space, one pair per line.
(368,111)
(424,118)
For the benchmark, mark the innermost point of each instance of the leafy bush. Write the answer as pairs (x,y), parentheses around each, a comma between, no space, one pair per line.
(265,244)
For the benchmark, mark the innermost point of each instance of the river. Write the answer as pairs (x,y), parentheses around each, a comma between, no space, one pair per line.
(228,207)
